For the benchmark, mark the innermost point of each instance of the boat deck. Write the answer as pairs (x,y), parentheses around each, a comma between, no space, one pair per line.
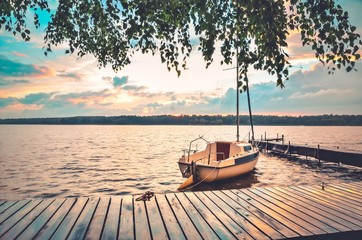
(334,212)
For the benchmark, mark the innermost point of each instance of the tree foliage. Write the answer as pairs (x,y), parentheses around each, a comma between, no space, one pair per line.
(113,30)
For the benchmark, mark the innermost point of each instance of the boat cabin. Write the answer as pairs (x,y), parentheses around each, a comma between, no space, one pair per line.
(217,151)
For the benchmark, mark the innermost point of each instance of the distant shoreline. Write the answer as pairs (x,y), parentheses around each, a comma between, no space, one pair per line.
(264,120)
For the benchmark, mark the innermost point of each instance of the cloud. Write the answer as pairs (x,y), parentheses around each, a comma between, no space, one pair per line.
(36,98)
(9,68)
(6,101)
(20,54)
(73,76)
(120,81)
(6,83)
(134,88)
(307,92)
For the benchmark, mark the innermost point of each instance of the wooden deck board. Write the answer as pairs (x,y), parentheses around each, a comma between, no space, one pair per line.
(110,230)
(337,207)
(325,218)
(345,195)
(50,227)
(321,209)
(254,221)
(142,229)
(6,205)
(126,224)
(275,212)
(335,199)
(157,226)
(82,224)
(210,217)
(27,219)
(12,210)
(249,231)
(347,189)
(204,229)
(186,224)
(31,231)
(254,213)
(308,216)
(225,219)
(68,222)
(96,225)
(173,228)
(15,218)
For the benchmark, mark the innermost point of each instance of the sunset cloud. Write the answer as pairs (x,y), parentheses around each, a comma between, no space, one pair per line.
(5,83)
(120,81)
(9,68)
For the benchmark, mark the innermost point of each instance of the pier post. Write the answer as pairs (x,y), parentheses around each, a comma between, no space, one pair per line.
(265,136)
(319,160)
(290,155)
(283,139)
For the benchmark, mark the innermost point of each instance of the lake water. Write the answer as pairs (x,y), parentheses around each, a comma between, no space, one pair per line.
(43,161)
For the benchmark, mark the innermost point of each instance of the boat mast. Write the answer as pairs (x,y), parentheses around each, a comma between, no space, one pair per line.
(237,78)
(250,115)
(237,95)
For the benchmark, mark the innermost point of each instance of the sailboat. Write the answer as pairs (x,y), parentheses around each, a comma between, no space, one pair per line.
(221,159)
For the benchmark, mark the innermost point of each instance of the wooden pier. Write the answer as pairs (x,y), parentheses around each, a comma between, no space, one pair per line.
(314,212)
(328,155)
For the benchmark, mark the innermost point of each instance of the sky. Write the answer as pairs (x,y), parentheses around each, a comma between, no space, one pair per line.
(60,85)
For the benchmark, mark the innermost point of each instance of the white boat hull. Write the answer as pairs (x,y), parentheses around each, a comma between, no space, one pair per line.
(229,168)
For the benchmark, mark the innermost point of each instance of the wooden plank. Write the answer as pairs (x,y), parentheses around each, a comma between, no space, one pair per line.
(325,218)
(231,218)
(357,184)
(267,223)
(351,194)
(50,227)
(80,228)
(349,188)
(321,204)
(126,224)
(142,229)
(157,226)
(221,231)
(40,221)
(273,212)
(200,223)
(345,196)
(68,222)
(24,222)
(186,224)
(172,226)
(96,225)
(110,230)
(18,216)
(12,210)
(354,199)
(317,207)
(254,226)
(293,214)
(327,202)
(6,206)
(327,197)
(335,199)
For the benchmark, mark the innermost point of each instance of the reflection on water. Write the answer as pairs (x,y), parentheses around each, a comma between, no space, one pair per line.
(71,161)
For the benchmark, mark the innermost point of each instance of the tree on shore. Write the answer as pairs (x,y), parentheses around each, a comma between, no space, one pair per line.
(113,30)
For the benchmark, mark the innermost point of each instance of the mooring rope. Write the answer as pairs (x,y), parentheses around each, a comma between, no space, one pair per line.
(188,188)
